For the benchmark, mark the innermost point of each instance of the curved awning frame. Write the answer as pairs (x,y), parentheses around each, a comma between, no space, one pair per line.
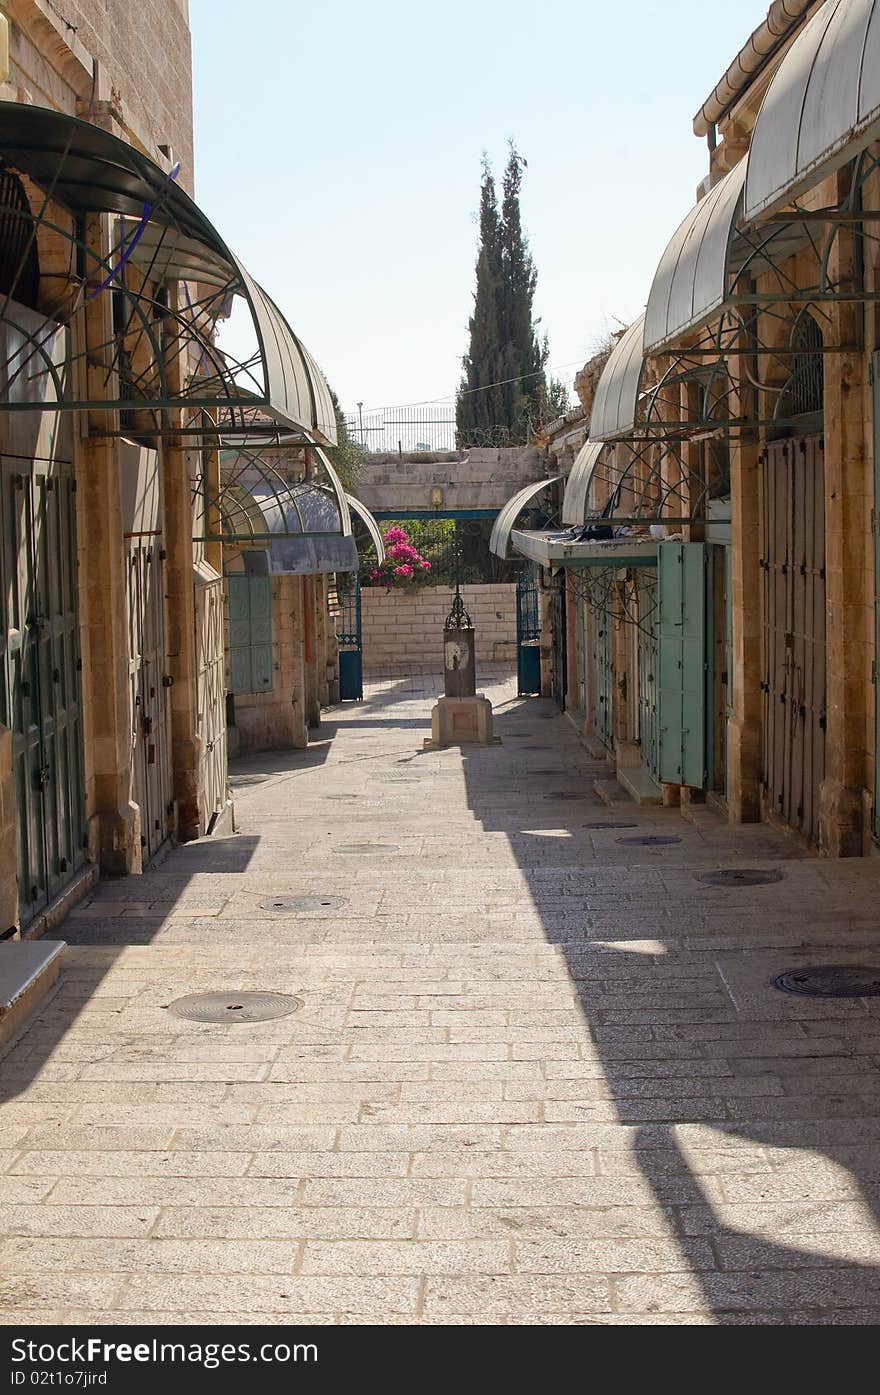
(251,494)
(170,279)
(637,482)
(518,504)
(745,323)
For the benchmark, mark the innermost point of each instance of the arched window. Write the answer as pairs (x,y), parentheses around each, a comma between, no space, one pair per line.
(805,390)
(19,262)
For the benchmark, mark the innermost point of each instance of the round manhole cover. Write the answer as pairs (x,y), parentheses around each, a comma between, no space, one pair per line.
(649,840)
(281,904)
(234,1007)
(740,876)
(831,981)
(379,849)
(611,827)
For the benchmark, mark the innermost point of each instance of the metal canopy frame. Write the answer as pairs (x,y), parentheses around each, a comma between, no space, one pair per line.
(161,351)
(659,401)
(499,539)
(255,493)
(822,105)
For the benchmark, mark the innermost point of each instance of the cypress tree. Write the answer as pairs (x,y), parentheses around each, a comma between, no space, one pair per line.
(504,349)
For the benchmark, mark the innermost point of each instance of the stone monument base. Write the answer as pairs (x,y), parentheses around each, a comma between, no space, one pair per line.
(459,721)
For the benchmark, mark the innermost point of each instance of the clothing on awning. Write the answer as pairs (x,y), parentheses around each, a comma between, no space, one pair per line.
(555,549)
(822,106)
(507,516)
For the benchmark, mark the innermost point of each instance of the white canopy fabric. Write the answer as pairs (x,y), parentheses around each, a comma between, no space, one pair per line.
(822,106)
(691,282)
(615,405)
(375,532)
(577,485)
(503,526)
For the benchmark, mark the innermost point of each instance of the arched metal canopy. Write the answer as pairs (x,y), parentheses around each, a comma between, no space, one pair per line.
(577,484)
(86,170)
(503,526)
(615,406)
(372,527)
(692,280)
(822,106)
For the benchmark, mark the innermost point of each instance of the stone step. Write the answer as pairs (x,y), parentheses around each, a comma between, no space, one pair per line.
(610,792)
(639,785)
(29,969)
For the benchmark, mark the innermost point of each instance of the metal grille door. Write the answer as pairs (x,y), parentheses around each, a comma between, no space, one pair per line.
(211,691)
(528,635)
(602,663)
(560,638)
(648,661)
(794,653)
(40,680)
(580,623)
(349,635)
(151,764)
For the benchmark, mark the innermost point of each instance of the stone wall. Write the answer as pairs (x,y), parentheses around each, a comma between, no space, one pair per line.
(403,627)
(426,482)
(143,78)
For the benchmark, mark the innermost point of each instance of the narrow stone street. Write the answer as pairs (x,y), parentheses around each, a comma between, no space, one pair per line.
(539,1073)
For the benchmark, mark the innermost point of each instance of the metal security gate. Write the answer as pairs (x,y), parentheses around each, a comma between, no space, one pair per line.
(602,673)
(528,635)
(560,640)
(349,634)
(151,756)
(794,647)
(648,661)
(40,679)
(211,689)
(581,640)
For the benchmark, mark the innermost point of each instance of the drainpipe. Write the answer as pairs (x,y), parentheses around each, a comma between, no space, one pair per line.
(782,18)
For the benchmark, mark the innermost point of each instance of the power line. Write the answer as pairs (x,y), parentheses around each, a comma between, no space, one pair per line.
(451,396)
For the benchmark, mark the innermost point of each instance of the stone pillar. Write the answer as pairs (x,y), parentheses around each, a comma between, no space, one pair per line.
(744,726)
(295,618)
(113,819)
(848,571)
(187,745)
(321,627)
(310,653)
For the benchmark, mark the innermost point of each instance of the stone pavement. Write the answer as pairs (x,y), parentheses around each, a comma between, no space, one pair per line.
(539,1074)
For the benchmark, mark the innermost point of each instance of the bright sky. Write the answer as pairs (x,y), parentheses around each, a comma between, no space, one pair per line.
(338,151)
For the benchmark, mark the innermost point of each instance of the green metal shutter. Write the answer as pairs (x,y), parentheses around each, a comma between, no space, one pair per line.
(261,633)
(681,697)
(250,634)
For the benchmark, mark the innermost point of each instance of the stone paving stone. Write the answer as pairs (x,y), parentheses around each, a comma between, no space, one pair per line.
(538,1075)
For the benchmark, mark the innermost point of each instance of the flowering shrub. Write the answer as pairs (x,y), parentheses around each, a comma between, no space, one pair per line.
(403,564)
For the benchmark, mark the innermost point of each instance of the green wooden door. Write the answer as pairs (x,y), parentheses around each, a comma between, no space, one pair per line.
(250,633)
(40,682)
(681,694)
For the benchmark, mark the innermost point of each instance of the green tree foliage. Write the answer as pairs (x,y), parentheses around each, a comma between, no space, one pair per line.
(503,389)
(346,457)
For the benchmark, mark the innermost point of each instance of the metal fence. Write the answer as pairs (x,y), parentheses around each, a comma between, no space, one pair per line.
(429,428)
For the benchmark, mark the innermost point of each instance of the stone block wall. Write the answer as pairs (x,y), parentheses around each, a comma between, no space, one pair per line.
(403,627)
(422,482)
